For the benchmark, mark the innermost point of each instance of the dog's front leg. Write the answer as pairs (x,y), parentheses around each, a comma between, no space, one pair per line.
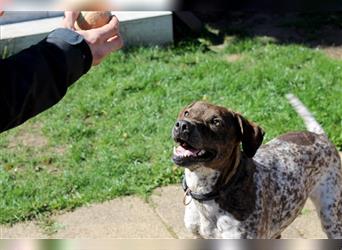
(192,219)
(228,227)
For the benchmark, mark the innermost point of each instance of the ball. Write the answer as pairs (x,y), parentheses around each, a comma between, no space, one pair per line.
(92,19)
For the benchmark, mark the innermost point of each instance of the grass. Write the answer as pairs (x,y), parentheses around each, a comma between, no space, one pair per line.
(113,128)
(305,211)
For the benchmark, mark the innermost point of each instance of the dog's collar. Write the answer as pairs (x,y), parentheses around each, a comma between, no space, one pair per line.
(211,195)
(199,197)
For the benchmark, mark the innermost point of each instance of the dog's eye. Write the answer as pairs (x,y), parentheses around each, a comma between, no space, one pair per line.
(216,122)
(186,113)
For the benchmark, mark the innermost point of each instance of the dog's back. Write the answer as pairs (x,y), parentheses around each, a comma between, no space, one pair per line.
(327,194)
(301,165)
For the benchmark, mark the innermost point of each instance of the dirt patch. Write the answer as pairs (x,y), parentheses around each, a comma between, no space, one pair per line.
(29,136)
(333,52)
(30,139)
(233,58)
(60,150)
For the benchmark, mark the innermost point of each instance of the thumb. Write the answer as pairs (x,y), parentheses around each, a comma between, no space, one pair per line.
(69,19)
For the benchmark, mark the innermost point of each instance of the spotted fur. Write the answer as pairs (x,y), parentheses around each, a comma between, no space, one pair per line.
(278,180)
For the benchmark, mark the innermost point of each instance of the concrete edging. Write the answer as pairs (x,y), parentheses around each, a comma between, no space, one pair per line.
(137,29)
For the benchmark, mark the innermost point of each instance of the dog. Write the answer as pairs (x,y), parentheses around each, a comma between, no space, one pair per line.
(237,188)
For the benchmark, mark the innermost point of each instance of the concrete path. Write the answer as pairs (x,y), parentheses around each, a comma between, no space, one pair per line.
(131,217)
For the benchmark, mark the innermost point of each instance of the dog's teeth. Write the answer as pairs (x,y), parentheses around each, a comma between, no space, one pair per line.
(202,152)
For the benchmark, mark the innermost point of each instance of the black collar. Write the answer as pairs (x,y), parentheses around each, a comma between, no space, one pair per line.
(199,197)
(216,193)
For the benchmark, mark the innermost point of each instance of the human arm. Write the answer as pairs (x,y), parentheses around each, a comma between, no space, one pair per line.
(38,77)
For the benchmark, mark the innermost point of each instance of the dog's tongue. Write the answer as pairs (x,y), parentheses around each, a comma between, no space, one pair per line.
(180,151)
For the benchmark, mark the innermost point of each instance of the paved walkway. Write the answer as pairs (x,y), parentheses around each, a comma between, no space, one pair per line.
(131,217)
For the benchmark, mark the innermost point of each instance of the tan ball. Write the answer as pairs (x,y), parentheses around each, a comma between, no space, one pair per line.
(92,19)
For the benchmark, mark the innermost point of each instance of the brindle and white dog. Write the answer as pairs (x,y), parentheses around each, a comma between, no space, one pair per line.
(254,192)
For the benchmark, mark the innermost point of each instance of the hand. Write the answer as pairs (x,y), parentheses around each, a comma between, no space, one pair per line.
(102,41)
(1,12)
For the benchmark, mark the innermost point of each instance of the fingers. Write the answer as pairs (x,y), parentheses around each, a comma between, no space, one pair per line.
(70,19)
(109,30)
(104,40)
(113,44)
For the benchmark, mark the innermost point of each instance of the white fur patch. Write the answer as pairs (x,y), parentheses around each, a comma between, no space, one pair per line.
(206,218)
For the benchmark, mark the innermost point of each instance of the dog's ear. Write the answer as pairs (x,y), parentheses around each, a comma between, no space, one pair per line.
(251,135)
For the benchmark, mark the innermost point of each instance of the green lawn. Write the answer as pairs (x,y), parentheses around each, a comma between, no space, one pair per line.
(111,134)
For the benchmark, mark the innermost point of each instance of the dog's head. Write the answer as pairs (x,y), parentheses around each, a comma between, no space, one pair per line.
(207,134)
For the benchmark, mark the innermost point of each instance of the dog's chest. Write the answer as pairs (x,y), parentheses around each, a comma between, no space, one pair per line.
(212,222)
(207,218)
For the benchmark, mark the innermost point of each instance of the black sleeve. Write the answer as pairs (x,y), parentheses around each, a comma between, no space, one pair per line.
(38,77)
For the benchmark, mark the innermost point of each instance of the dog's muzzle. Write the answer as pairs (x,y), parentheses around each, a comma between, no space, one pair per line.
(188,152)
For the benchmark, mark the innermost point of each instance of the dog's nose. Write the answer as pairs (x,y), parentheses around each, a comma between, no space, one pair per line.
(182,128)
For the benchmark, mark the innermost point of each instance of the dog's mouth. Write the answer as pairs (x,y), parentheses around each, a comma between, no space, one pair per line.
(185,154)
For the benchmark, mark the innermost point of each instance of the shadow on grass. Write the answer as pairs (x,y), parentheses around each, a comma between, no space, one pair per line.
(308,29)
